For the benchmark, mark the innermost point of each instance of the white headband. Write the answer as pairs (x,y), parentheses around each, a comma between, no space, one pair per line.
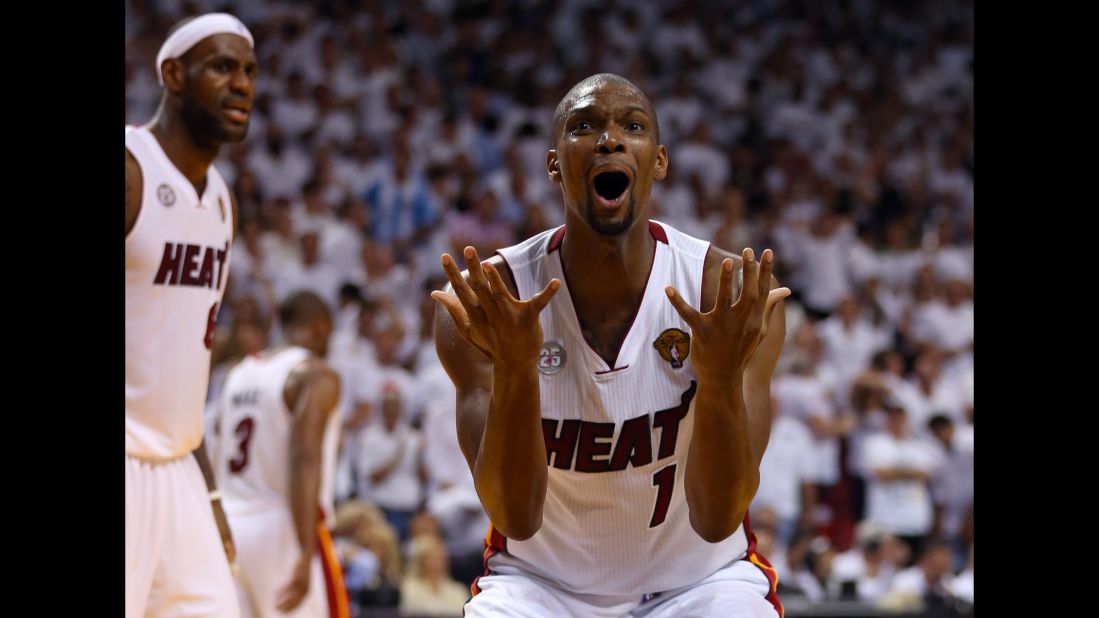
(192,32)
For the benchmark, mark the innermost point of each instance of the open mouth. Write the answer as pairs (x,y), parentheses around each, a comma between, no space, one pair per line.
(611,186)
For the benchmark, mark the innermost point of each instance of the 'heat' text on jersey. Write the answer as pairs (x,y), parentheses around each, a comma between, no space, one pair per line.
(191,265)
(574,444)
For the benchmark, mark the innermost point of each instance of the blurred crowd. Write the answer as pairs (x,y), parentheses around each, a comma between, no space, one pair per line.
(839,133)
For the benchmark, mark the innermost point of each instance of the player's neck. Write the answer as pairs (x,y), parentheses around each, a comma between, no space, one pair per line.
(302,340)
(191,159)
(607,268)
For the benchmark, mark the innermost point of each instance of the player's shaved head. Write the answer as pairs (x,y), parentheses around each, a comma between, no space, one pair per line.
(303,308)
(591,84)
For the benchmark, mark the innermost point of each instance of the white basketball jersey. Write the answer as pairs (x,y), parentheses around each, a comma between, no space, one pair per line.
(615,518)
(177,264)
(254,429)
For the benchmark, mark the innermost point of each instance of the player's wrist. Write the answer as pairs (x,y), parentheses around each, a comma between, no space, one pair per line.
(215,495)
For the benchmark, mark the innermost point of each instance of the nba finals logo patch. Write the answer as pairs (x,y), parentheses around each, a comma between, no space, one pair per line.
(674,345)
(551,359)
(165,194)
(221,207)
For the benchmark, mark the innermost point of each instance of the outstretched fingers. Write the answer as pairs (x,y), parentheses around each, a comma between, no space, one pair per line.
(478,281)
(461,287)
(539,301)
(749,291)
(689,314)
(725,285)
(455,309)
(773,298)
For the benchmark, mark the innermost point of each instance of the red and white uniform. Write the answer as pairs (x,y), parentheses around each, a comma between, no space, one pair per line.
(615,533)
(177,265)
(253,472)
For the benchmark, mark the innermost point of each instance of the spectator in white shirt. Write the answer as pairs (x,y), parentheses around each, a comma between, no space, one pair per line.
(391,463)
(952,483)
(786,482)
(900,467)
(865,572)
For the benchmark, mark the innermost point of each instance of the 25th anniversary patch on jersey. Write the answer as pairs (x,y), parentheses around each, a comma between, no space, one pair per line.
(552,358)
(674,346)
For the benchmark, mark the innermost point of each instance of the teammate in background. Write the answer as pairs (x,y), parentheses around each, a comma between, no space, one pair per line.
(180,222)
(614,435)
(277,439)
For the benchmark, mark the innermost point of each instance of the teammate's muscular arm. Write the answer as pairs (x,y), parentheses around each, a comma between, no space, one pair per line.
(489,343)
(735,349)
(134,186)
(312,390)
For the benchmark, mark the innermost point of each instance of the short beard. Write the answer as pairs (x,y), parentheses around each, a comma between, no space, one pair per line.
(607,228)
(205,129)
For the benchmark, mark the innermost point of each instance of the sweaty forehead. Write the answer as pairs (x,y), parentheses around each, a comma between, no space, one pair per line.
(225,44)
(607,94)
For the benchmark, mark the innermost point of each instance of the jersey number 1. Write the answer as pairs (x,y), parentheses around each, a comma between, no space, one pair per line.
(664,481)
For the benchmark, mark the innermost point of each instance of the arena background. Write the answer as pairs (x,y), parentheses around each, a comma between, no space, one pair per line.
(838,133)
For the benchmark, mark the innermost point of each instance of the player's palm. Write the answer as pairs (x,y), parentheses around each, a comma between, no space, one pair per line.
(724,339)
(503,328)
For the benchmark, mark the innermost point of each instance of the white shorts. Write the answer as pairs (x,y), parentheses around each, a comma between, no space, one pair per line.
(739,590)
(267,551)
(175,562)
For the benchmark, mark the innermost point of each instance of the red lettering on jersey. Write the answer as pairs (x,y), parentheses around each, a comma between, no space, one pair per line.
(664,481)
(211,323)
(169,265)
(563,446)
(634,444)
(243,431)
(222,254)
(668,422)
(206,273)
(588,448)
(190,265)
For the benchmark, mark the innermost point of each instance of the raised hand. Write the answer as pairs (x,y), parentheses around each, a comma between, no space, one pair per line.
(503,328)
(723,340)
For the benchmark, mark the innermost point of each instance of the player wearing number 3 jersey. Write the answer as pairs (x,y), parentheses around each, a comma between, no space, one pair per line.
(614,419)
(180,218)
(275,457)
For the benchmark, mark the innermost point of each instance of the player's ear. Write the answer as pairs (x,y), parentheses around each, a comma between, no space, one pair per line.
(661,167)
(172,69)
(553,166)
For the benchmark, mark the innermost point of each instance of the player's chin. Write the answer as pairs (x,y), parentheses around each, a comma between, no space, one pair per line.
(611,225)
(234,132)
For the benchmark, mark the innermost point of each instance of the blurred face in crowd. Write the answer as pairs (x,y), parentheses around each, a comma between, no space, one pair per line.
(423,524)
(936,563)
(434,561)
(895,550)
(250,338)
(896,421)
(955,292)
(386,344)
(310,248)
(607,155)
(928,365)
(848,310)
(391,411)
(943,432)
